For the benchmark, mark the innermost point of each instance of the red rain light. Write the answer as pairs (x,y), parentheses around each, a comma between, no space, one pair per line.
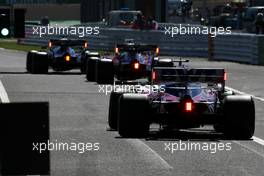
(154,75)
(188,106)
(116,50)
(67,58)
(49,44)
(157,50)
(225,76)
(136,66)
(85,45)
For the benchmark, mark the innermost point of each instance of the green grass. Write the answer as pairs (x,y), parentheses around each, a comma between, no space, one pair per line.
(12,45)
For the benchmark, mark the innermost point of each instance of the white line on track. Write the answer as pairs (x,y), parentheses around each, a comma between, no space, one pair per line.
(137,143)
(258,140)
(249,148)
(149,154)
(243,93)
(3,94)
(4,97)
(255,139)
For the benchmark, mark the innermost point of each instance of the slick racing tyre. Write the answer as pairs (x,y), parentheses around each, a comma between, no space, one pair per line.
(218,128)
(113,110)
(84,61)
(90,68)
(40,63)
(134,113)
(85,57)
(239,117)
(30,55)
(104,72)
(164,63)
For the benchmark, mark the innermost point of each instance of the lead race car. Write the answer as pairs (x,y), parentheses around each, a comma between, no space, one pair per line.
(131,61)
(184,98)
(61,55)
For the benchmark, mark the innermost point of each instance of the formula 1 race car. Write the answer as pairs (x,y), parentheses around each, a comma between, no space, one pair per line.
(62,55)
(182,98)
(131,61)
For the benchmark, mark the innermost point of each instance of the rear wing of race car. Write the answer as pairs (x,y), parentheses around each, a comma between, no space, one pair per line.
(136,47)
(185,75)
(59,42)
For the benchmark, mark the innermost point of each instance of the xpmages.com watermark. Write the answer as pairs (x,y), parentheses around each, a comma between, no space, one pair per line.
(173,31)
(80,31)
(107,89)
(211,147)
(80,147)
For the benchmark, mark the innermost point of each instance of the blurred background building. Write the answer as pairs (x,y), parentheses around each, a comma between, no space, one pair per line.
(55,9)
(97,10)
(211,4)
(86,10)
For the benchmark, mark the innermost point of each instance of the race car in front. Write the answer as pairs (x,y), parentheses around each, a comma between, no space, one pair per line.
(182,98)
(61,55)
(134,61)
(131,61)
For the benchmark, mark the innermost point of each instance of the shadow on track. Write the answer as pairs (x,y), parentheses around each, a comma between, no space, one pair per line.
(50,73)
(185,135)
(199,135)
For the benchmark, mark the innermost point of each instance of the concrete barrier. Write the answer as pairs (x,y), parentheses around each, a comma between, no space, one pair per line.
(244,48)
(236,47)
(179,45)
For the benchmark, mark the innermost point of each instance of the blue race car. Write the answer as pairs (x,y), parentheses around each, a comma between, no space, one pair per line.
(62,55)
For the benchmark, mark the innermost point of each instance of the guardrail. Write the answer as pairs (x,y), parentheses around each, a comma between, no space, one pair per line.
(244,48)
(238,47)
(179,45)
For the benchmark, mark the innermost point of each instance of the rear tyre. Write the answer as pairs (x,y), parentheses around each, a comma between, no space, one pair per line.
(113,109)
(30,55)
(84,62)
(164,63)
(218,128)
(85,57)
(40,63)
(133,117)
(90,68)
(239,117)
(104,72)
(149,76)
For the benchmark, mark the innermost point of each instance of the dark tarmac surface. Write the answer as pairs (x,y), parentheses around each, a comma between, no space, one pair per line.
(78,113)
